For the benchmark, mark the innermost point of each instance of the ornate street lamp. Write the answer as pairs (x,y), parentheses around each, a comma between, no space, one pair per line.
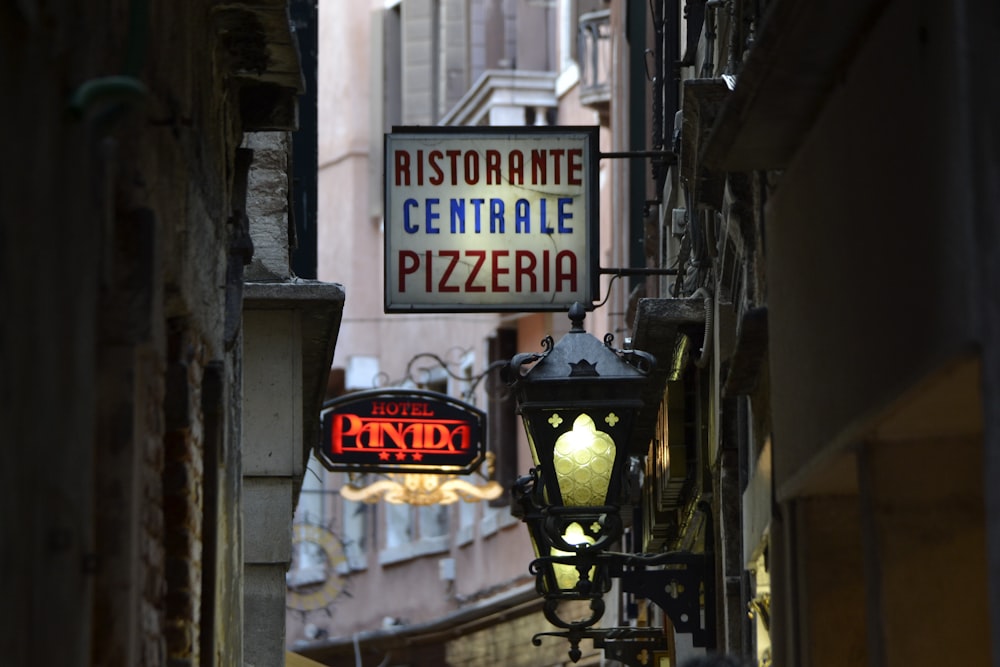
(578,400)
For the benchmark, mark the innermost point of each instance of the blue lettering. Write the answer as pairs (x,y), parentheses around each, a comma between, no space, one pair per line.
(431,215)
(542,217)
(522,214)
(407,227)
(476,203)
(565,215)
(496,216)
(458,214)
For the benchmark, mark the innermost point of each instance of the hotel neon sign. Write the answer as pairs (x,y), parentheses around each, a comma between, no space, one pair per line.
(392,430)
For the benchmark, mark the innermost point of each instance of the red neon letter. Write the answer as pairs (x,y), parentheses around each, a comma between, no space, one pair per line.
(339,432)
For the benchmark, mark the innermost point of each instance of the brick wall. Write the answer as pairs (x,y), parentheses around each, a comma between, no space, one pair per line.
(509,644)
(183,481)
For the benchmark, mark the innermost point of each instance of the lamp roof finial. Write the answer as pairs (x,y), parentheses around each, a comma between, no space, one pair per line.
(576,315)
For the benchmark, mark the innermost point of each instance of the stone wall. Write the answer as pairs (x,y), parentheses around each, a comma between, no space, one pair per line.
(122,244)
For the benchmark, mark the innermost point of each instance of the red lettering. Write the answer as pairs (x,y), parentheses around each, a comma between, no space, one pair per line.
(574,159)
(515,270)
(545,270)
(569,273)
(471,168)
(416,435)
(469,286)
(427,272)
(443,285)
(407,267)
(374,432)
(497,271)
(524,267)
(391,431)
(515,168)
(339,432)
(539,167)
(453,156)
(493,167)
(352,432)
(402,167)
(437,436)
(556,163)
(464,434)
(438,177)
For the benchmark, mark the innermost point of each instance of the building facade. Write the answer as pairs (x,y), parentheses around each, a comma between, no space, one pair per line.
(832,394)
(410,574)
(150,316)
(813,195)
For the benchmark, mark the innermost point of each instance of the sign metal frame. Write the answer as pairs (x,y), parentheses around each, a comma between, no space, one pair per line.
(410,261)
(401,430)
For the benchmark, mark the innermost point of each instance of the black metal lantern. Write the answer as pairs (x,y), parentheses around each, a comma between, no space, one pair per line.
(578,400)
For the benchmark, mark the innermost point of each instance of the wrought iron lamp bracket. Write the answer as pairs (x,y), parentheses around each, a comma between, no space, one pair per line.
(678,589)
(628,645)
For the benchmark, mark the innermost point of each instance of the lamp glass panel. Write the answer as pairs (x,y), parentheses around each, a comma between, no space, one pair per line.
(531,442)
(567,576)
(583,459)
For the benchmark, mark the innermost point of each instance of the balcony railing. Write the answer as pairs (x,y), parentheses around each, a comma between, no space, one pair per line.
(594,37)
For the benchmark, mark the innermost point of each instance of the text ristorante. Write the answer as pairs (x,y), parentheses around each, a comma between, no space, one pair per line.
(554,166)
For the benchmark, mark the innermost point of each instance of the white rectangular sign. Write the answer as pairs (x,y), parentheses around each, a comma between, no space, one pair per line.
(483,219)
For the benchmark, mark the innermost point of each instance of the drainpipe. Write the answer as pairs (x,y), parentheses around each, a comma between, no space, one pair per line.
(638,100)
(711,25)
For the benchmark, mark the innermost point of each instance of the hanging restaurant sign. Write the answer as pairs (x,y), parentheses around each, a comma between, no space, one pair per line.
(490,219)
(409,430)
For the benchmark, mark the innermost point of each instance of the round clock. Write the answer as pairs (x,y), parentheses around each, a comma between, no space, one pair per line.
(314,581)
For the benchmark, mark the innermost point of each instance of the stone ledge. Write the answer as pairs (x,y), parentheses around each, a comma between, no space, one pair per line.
(658,324)
(321,306)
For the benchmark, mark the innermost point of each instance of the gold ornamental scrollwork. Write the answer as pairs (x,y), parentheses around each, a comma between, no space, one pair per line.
(424,489)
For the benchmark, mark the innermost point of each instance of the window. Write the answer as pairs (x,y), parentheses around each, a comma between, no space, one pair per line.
(355,532)
(432,520)
(362,372)
(398,525)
